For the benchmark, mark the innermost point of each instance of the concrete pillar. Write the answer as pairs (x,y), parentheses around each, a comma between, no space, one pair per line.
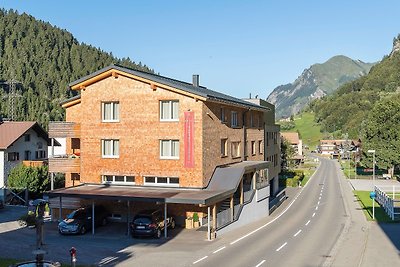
(214,211)
(232,208)
(165,220)
(208,224)
(93,217)
(241,192)
(129,218)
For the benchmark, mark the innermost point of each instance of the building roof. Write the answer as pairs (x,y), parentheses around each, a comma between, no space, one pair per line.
(291,137)
(11,131)
(184,86)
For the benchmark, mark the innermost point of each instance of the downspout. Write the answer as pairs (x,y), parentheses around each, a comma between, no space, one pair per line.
(244,135)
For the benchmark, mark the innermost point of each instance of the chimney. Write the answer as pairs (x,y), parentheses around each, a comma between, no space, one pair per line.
(196,80)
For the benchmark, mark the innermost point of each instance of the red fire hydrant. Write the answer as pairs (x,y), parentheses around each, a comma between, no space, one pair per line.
(72,252)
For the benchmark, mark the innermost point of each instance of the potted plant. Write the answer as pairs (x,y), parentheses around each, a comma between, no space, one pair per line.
(196,222)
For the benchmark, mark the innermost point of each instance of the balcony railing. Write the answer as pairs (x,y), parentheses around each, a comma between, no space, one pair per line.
(34,163)
(65,164)
(63,129)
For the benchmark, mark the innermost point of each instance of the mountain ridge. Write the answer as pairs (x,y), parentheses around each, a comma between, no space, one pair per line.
(318,80)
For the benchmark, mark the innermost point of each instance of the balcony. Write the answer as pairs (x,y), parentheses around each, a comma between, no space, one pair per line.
(65,164)
(34,163)
(63,129)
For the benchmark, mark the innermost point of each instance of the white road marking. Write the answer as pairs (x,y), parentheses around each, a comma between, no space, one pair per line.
(308,222)
(296,234)
(313,214)
(199,260)
(316,208)
(258,265)
(319,197)
(320,194)
(277,217)
(218,250)
(281,247)
(318,202)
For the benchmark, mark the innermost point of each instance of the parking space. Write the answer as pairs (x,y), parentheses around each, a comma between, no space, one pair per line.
(109,245)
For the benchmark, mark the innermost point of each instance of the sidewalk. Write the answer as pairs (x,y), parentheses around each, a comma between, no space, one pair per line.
(364,243)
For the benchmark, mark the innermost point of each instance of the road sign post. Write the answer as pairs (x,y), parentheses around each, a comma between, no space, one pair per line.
(372,195)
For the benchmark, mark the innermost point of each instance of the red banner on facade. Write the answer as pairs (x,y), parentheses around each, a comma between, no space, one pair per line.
(189,139)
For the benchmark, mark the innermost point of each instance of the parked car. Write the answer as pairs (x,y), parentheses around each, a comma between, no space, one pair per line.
(80,221)
(150,223)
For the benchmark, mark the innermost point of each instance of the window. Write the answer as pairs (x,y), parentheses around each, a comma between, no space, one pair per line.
(235,149)
(110,111)
(224,147)
(169,110)
(110,148)
(234,119)
(27,137)
(118,179)
(223,117)
(13,156)
(161,181)
(260,147)
(169,149)
(40,154)
(27,155)
(251,120)
(253,147)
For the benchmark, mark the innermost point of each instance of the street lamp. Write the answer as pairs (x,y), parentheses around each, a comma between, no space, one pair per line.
(373,181)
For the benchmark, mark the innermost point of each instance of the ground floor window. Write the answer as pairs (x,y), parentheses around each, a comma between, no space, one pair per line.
(161,181)
(118,179)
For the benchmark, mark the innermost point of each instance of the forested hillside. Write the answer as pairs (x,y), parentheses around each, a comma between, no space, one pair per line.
(368,108)
(43,60)
(347,108)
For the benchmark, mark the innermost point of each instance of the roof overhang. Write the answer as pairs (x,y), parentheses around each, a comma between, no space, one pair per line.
(115,71)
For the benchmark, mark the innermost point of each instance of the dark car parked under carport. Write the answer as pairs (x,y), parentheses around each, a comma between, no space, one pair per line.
(80,221)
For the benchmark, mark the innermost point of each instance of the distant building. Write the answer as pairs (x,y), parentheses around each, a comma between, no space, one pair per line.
(294,140)
(21,142)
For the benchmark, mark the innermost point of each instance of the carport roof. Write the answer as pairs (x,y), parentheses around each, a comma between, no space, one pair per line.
(139,193)
(223,184)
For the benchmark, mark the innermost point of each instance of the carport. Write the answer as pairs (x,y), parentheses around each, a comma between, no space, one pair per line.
(223,184)
(93,192)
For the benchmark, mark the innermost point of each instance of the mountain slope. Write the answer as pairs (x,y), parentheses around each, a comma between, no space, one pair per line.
(43,59)
(347,109)
(315,82)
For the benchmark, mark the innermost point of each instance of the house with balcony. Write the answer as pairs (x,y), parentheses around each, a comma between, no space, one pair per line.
(136,140)
(293,138)
(21,142)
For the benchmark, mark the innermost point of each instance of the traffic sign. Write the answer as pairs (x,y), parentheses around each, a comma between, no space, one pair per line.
(372,194)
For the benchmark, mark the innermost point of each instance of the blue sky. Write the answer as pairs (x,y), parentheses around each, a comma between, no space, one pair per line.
(237,47)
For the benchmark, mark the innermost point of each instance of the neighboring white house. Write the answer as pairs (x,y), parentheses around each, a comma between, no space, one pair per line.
(20,141)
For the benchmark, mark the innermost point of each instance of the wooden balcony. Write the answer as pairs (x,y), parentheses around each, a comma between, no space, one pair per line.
(34,163)
(63,129)
(65,164)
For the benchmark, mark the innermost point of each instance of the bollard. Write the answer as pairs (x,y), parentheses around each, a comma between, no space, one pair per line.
(72,252)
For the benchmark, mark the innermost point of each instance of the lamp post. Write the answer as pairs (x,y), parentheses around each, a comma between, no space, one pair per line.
(373,181)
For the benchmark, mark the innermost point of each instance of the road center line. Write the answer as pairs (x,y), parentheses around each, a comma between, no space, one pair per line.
(199,260)
(319,197)
(296,234)
(313,214)
(218,250)
(308,222)
(318,202)
(316,208)
(258,265)
(281,247)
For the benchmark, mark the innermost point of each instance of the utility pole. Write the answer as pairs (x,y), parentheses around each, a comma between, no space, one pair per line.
(11,97)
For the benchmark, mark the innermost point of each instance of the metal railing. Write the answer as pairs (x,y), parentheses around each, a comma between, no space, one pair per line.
(389,204)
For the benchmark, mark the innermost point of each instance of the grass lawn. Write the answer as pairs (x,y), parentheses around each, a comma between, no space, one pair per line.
(309,130)
(366,204)
(307,175)
(350,173)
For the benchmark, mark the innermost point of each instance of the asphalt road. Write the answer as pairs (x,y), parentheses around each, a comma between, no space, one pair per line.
(304,235)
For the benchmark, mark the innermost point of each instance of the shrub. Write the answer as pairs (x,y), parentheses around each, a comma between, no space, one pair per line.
(195,217)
